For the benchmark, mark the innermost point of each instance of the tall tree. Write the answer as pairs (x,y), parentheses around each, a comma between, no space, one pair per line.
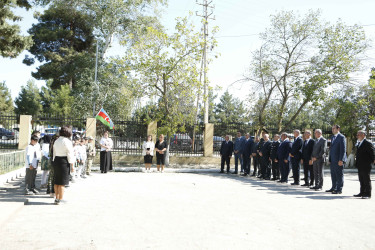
(229,110)
(63,40)
(299,59)
(6,102)
(28,101)
(62,102)
(167,66)
(12,43)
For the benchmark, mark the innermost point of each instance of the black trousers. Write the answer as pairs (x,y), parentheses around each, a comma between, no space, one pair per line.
(265,167)
(295,168)
(225,159)
(365,181)
(256,160)
(275,170)
(308,173)
(246,163)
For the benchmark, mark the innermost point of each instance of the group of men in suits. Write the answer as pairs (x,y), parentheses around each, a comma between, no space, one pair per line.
(282,155)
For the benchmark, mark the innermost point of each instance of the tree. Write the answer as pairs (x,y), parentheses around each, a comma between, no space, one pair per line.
(63,40)
(167,66)
(6,102)
(229,110)
(299,60)
(12,43)
(28,102)
(62,102)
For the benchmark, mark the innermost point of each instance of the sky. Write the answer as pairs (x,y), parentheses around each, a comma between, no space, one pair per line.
(239,23)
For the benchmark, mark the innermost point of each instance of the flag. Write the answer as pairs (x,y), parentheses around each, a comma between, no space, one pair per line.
(104,118)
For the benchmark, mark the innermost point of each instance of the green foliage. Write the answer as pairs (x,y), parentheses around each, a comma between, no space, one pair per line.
(11,42)
(167,67)
(28,102)
(63,40)
(230,110)
(300,59)
(62,101)
(6,102)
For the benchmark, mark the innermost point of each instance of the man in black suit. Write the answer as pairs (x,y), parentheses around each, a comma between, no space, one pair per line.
(273,157)
(246,154)
(264,154)
(226,152)
(255,156)
(307,149)
(295,156)
(365,156)
(283,157)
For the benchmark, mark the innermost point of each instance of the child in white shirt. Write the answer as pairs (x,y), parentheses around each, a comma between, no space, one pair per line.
(31,164)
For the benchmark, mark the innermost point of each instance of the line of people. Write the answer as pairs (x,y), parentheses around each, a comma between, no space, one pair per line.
(274,160)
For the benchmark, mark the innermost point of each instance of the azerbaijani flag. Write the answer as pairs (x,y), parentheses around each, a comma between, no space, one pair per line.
(104,118)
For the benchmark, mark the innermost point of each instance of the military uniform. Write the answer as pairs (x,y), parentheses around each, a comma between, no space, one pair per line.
(91,152)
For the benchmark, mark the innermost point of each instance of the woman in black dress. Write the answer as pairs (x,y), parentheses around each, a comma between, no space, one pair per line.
(106,145)
(161,147)
(63,159)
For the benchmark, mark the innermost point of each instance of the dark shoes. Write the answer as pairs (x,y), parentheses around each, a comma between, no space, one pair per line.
(358,195)
(329,190)
(305,185)
(336,192)
(317,189)
(35,191)
(221,172)
(294,184)
(235,173)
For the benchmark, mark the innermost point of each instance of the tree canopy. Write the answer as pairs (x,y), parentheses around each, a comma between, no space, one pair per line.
(28,102)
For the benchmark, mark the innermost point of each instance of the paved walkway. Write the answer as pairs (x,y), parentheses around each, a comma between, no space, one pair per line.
(187,211)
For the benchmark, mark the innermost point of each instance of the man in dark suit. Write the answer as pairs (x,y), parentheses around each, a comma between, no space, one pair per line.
(337,158)
(255,156)
(318,157)
(247,153)
(307,149)
(226,152)
(295,156)
(273,157)
(365,156)
(238,147)
(283,157)
(264,154)
(259,158)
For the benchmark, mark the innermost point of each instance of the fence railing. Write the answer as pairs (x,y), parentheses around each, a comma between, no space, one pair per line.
(9,131)
(50,124)
(10,161)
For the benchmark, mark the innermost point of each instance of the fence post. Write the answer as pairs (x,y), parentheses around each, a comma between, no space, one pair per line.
(152,129)
(91,128)
(208,143)
(25,131)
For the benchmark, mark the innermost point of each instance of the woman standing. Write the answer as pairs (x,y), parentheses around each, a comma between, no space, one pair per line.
(45,160)
(161,147)
(106,144)
(148,152)
(63,160)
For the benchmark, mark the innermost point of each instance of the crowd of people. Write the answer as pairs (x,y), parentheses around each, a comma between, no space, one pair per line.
(274,160)
(64,158)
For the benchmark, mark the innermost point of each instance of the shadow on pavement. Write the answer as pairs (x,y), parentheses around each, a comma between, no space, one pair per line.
(274,187)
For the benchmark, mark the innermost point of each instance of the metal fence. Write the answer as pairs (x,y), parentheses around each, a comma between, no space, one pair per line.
(9,131)
(187,141)
(10,161)
(50,124)
(128,136)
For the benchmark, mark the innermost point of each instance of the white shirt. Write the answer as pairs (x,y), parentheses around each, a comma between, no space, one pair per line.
(63,147)
(31,156)
(45,150)
(106,142)
(150,145)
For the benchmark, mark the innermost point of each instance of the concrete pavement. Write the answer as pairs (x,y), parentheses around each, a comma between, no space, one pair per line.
(200,210)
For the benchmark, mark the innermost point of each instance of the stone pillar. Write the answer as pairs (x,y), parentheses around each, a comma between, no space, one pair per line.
(25,131)
(91,128)
(152,129)
(208,143)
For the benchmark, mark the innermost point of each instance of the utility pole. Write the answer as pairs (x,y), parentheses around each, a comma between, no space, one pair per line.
(96,78)
(206,17)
